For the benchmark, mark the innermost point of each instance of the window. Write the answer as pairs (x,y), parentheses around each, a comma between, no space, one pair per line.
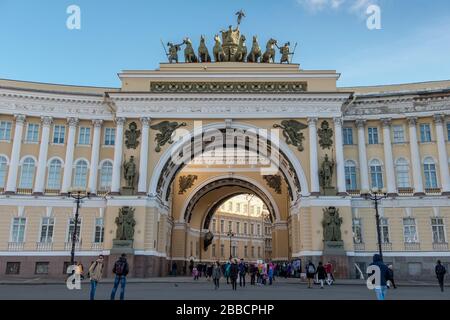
(245,227)
(110,136)
(59,133)
(384,226)
(106,175)
(376,174)
(18,230)
(234,251)
(259,252)
(80,179)
(245,208)
(229,225)
(238,207)
(448,131)
(27,174)
(252,209)
(357,231)
(425,132)
(5,130)
(3,171)
(348,136)
(41,268)
(54,175)
(350,175)
(429,170)
(259,229)
(230,206)
(47,226)
(32,132)
(222,226)
(258,210)
(238,227)
(222,250)
(399,134)
(71,229)
(99,230)
(402,168)
(373,135)
(245,251)
(252,229)
(84,136)
(409,230)
(12,268)
(438,228)
(253,252)
(214,225)
(213,250)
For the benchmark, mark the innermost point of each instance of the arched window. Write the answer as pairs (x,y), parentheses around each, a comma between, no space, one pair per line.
(106,175)
(429,170)
(54,175)
(27,174)
(350,175)
(402,168)
(80,178)
(376,174)
(3,171)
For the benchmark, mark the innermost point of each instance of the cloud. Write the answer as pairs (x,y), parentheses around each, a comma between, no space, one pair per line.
(353,6)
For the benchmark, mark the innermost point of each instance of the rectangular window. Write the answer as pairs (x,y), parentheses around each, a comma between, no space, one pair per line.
(229,226)
(245,227)
(253,252)
(245,251)
(373,135)
(214,225)
(252,209)
(409,230)
(47,229)
(238,227)
(32,132)
(348,136)
(259,252)
(448,131)
(110,136)
(350,177)
(99,230)
(258,210)
(5,130)
(238,207)
(71,230)
(438,227)
(230,206)
(12,267)
(357,231)
(84,136)
(41,268)
(222,226)
(399,134)
(18,230)
(59,133)
(222,250)
(245,208)
(425,132)
(259,229)
(384,226)
(213,248)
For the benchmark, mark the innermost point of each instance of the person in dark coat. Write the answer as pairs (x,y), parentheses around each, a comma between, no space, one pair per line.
(380,288)
(321,274)
(440,274)
(234,271)
(310,272)
(390,279)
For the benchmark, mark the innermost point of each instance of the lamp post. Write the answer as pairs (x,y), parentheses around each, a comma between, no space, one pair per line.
(78,195)
(376,195)
(231,235)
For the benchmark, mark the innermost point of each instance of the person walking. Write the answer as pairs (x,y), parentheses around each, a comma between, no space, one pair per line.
(216,272)
(195,273)
(234,271)
(242,273)
(174,269)
(329,270)
(95,275)
(253,270)
(440,274)
(310,273)
(227,271)
(321,274)
(390,279)
(121,269)
(380,288)
(270,273)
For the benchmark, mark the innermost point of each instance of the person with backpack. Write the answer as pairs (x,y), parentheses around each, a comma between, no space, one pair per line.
(321,274)
(310,273)
(380,288)
(440,274)
(95,275)
(121,269)
(242,273)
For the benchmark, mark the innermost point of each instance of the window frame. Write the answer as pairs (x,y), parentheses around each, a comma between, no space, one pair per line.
(425,135)
(35,133)
(24,231)
(409,227)
(372,133)
(5,133)
(109,138)
(347,133)
(82,134)
(395,139)
(57,134)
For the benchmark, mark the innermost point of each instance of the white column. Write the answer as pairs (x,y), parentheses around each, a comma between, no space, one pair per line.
(95,155)
(11,184)
(362,153)
(415,157)
(388,158)
(442,151)
(313,158)
(117,165)
(68,162)
(143,163)
(39,184)
(340,166)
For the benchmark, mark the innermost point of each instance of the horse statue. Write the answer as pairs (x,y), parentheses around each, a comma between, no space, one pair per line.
(241,52)
(189,54)
(270,52)
(255,53)
(219,55)
(203,53)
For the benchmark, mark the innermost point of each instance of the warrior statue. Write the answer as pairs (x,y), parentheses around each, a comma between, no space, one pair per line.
(125,224)
(285,53)
(331,224)
(173,51)
(326,172)
(240,14)
(203,53)
(129,169)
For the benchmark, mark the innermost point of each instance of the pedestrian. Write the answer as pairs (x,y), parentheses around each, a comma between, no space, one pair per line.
(440,274)
(321,274)
(270,273)
(227,271)
(210,271)
(234,271)
(242,273)
(329,270)
(121,269)
(191,266)
(174,269)
(310,272)
(216,275)
(80,270)
(195,273)
(253,270)
(95,274)
(380,288)
(390,280)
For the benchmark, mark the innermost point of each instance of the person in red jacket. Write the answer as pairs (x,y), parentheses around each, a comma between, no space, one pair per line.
(329,271)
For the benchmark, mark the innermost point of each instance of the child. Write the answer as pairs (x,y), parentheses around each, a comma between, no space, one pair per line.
(195,273)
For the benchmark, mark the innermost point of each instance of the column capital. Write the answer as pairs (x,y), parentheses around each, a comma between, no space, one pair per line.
(73,122)
(47,121)
(338,121)
(439,118)
(361,123)
(145,121)
(312,121)
(120,121)
(97,123)
(20,118)
(386,122)
(412,121)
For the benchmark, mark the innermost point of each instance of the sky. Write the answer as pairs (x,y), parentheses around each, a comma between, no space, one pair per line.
(413,44)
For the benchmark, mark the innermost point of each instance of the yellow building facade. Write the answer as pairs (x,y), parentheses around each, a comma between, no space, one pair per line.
(278,122)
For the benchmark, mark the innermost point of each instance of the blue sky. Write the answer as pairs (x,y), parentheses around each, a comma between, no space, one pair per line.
(413,44)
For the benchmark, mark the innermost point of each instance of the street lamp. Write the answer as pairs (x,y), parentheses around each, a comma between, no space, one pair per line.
(376,195)
(231,235)
(78,195)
